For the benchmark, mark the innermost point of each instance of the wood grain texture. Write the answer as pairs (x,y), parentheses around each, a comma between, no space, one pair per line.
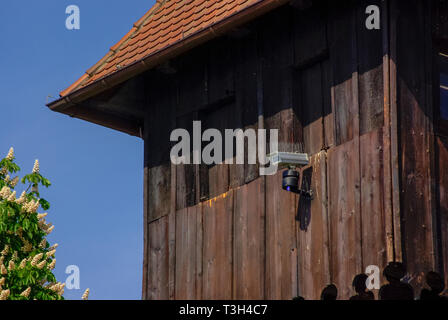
(370,68)
(217,247)
(158,276)
(343,57)
(442,152)
(188,253)
(415,113)
(248,243)
(345,216)
(313,233)
(373,218)
(281,241)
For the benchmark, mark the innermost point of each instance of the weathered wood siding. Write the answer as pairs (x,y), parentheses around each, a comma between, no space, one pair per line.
(333,89)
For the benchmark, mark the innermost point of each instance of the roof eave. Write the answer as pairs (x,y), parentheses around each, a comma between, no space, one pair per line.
(79,95)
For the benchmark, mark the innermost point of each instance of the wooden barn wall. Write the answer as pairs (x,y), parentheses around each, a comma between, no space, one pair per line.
(442,195)
(223,232)
(413,57)
(440,36)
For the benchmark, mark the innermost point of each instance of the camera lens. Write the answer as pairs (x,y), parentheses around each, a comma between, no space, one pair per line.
(290,180)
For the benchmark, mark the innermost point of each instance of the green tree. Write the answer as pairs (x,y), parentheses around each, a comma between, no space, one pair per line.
(27,259)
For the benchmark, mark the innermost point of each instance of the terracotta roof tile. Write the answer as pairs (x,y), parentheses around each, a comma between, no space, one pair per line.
(166,23)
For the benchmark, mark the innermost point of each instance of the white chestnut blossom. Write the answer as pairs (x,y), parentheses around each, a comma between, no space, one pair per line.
(49,230)
(26,293)
(14,182)
(41,215)
(3,269)
(23,264)
(85,296)
(4,294)
(36,259)
(5,250)
(43,243)
(41,264)
(52,264)
(27,247)
(36,166)
(5,192)
(10,155)
(51,253)
(22,198)
(12,197)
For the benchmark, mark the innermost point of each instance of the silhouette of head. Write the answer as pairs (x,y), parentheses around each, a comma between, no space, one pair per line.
(359,283)
(394,271)
(330,292)
(435,281)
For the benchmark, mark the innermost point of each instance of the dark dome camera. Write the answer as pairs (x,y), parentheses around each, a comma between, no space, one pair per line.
(290,180)
(290,183)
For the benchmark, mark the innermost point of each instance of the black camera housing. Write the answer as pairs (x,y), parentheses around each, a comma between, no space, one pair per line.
(290,182)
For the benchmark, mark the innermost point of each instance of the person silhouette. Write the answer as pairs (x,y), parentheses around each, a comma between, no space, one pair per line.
(437,284)
(395,289)
(359,284)
(330,292)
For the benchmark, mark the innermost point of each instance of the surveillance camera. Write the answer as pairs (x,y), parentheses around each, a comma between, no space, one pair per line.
(290,180)
(290,183)
(288,159)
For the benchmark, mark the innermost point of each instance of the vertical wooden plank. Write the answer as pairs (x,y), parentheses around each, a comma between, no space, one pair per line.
(172,233)
(344,182)
(221,76)
(311,109)
(313,242)
(387,130)
(145,236)
(343,61)
(442,153)
(310,28)
(217,247)
(221,85)
(172,223)
(199,250)
(157,173)
(372,201)
(310,34)
(327,104)
(186,188)
(158,277)
(246,92)
(184,269)
(220,119)
(187,262)
(158,127)
(159,195)
(191,95)
(248,243)
(344,160)
(370,58)
(280,240)
(276,59)
(415,119)
(394,132)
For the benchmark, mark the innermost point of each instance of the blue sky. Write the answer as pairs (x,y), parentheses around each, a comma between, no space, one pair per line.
(97,173)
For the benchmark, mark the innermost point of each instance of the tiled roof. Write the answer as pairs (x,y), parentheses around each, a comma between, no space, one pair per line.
(167,23)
